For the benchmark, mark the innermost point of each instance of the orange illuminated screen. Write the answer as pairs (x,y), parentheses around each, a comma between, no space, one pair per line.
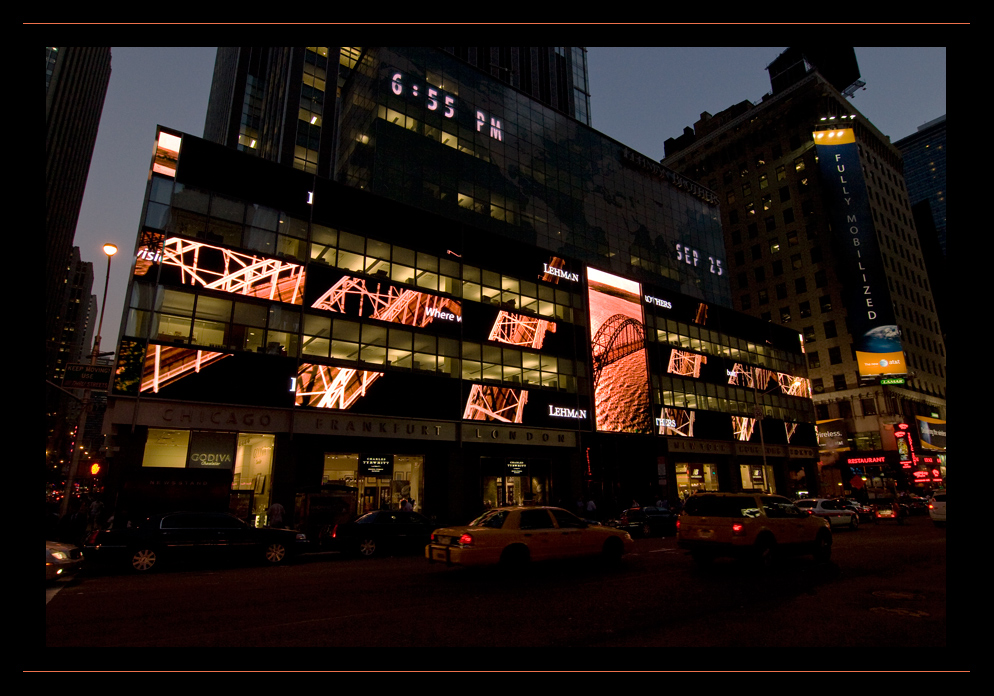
(621,375)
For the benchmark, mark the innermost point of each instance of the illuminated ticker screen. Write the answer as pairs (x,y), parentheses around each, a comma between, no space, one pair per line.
(621,375)
(192,262)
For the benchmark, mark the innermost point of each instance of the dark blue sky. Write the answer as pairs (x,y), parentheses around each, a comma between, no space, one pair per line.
(639,96)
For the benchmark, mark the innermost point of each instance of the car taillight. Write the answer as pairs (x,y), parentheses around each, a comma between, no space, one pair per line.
(334,531)
(466,540)
(931,507)
(737,529)
(678,524)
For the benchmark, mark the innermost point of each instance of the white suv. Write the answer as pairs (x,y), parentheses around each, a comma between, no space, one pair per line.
(937,508)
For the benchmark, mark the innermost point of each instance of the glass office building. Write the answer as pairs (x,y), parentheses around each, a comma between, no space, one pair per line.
(492,304)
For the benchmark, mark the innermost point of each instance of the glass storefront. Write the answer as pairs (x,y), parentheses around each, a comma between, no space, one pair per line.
(514,482)
(692,477)
(757,477)
(382,480)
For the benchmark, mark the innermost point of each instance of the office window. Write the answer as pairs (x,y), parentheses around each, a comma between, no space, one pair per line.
(795,262)
(764,297)
(830,330)
(835,355)
(869,407)
(788,216)
(785,315)
(826,303)
(777,269)
(757,252)
(763,181)
(743,281)
(745,302)
(839,382)
(774,246)
(821,277)
(781,290)
(760,274)
(781,173)
(813,360)
(818,387)
(809,334)
(804,309)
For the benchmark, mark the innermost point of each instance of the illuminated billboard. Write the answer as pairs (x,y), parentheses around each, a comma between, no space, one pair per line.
(326,386)
(192,262)
(617,343)
(933,433)
(865,294)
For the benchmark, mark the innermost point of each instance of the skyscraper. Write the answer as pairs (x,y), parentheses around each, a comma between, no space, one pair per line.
(281,103)
(76,80)
(925,171)
(813,229)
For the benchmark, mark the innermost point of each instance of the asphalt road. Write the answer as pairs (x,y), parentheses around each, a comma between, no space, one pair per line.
(884,590)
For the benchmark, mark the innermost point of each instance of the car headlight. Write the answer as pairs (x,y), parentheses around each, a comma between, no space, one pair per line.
(59,555)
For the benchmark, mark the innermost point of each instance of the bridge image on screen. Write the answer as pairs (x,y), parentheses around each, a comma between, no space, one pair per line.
(489,402)
(621,376)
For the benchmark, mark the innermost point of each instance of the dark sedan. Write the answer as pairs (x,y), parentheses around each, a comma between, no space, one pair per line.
(209,536)
(384,531)
(647,521)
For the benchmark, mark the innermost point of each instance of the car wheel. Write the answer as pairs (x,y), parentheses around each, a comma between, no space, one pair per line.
(514,557)
(823,547)
(143,559)
(766,549)
(613,549)
(275,553)
(854,522)
(367,548)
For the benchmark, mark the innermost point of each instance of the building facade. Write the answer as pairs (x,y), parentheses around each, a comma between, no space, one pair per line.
(492,303)
(813,229)
(76,80)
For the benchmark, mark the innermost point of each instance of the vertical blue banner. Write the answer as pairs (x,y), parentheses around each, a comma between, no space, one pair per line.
(876,335)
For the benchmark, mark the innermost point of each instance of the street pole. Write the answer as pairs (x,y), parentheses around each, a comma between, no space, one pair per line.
(110,250)
(758,412)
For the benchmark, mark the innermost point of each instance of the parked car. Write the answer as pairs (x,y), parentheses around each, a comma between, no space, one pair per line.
(61,560)
(889,509)
(383,531)
(513,536)
(646,521)
(937,508)
(209,536)
(836,512)
(750,525)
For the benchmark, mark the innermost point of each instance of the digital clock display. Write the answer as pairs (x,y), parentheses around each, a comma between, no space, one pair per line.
(435,99)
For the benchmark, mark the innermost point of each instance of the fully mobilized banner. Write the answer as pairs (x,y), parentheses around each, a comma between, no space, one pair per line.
(866,297)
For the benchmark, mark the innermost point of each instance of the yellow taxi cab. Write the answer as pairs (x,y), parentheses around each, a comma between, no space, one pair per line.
(515,535)
(750,524)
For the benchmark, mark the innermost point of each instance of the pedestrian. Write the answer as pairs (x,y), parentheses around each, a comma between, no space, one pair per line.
(591,509)
(275,513)
(406,506)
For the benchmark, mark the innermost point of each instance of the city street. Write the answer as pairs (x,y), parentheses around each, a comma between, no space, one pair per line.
(885,588)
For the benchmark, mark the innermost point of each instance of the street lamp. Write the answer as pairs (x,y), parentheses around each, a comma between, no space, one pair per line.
(110,250)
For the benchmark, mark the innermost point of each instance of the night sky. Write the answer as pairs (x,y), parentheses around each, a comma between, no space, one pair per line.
(639,96)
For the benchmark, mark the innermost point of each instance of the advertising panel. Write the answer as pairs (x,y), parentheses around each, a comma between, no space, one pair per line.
(866,296)
(933,433)
(193,262)
(621,375)
(832,435)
